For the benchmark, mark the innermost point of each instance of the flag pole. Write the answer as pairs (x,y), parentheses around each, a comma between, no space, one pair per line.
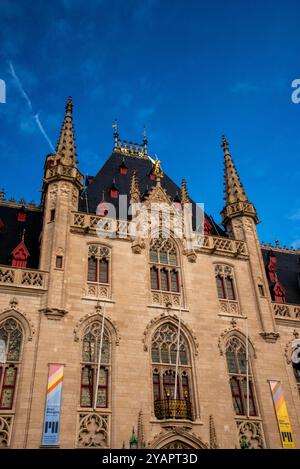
(99,361)
(178,344)
(247,367)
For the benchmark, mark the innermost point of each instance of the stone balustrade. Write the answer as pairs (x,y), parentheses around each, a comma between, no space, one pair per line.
(24,278)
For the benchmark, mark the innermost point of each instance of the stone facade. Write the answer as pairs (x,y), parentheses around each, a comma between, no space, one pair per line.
(54,306)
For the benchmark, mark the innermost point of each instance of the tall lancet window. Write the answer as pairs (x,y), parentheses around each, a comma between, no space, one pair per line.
(164,265)
(98,264)
(164,354)
(89,370)
(237,369)
(11,339)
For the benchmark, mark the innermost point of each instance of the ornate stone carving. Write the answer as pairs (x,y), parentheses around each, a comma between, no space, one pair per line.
(213,441)
(270,337)
(137,245)
(53,193)
(93,431)
(173,319)
(54,313)
(291,346)
(252,432)
(20,316)
(233,329)
(6,422)
(177,436)
(110,323)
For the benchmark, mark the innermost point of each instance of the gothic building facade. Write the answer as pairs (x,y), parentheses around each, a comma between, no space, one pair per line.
(110,339)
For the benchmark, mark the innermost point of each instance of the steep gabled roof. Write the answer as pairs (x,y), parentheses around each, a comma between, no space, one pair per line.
(101,183)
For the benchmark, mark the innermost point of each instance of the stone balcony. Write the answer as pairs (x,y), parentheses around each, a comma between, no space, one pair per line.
(286,313)
(109,227)
(23,278)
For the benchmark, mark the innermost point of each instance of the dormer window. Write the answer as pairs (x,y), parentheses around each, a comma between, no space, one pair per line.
(123,168)
(151,175)
(20,255)
(22,215)
(114,191)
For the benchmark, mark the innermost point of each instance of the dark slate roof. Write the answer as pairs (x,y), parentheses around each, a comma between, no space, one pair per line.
(92,196)
(11,235)
(288,273)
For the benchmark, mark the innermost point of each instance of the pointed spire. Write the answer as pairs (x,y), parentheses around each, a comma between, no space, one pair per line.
(184,193)
(212,434)
(236,200)
(133,442)
(234,190)
(66,143)
(145,141)
(140,432)
(115,126)
(135,195)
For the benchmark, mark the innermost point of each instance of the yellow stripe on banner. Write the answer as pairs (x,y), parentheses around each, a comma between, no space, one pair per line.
(57,378)
(282,415)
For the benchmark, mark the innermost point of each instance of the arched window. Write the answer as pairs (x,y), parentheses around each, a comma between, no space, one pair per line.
(225,282)
(163,354)
(98,264)
(90,360)
(11,339)
(237,369)
(164,265)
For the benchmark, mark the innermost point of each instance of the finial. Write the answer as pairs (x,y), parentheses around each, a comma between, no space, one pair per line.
(135,195)
(225,145)
(115,126)
(23,235)
(145,141)
(184,193)
(69,106)
(2,194)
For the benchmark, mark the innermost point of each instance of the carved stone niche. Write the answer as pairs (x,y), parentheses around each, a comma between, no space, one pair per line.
(55,314)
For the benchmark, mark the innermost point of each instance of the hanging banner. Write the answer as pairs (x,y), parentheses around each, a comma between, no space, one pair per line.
(282,415)
(53,401)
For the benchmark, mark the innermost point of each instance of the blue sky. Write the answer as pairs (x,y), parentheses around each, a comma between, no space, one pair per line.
(189,70)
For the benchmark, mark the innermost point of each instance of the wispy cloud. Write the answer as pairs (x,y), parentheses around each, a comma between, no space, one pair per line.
(29,104)
(244,87)
(20,86)
(38,122)
(295,216)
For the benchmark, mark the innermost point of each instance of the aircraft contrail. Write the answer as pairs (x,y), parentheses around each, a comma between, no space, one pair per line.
(29,104)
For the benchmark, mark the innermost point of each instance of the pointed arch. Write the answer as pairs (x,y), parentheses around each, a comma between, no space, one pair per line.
(177,438)
(109,324)
(26,323)
(233,330)
(156,322)
(240,377)
(174,394)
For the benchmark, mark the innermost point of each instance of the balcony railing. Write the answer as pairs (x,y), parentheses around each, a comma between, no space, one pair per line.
(286,311)
(24,278)
(173,409)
